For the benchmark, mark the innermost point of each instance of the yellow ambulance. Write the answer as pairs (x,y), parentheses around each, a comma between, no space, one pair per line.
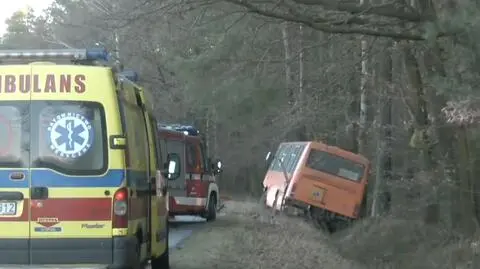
(80,168)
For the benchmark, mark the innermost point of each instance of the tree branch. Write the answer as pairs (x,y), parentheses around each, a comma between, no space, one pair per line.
(328,27)
(391,10)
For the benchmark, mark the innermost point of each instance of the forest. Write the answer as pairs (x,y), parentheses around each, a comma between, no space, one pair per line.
(393,80)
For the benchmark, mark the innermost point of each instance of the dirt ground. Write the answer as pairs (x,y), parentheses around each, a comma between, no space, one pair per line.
(249,237)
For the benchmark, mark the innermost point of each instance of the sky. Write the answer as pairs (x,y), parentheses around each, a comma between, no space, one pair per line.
(9,7)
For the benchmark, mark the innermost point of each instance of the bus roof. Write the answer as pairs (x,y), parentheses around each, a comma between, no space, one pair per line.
(332,149)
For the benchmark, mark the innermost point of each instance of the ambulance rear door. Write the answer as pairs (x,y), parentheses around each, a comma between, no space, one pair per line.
(14,164)
(71,183)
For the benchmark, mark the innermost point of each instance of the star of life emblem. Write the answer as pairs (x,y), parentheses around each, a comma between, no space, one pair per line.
(71,135)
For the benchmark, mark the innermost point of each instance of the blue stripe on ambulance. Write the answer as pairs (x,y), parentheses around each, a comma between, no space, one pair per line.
(113,178)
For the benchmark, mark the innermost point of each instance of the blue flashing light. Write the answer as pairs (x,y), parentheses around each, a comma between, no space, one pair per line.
(130,75)
(186,129)
(97,54)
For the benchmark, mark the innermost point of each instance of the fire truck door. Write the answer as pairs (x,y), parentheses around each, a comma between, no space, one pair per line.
(178,186)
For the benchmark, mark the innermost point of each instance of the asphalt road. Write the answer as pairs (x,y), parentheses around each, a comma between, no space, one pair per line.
(181,228)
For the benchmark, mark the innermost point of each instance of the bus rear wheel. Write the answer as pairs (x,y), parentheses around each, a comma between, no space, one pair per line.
(319,220)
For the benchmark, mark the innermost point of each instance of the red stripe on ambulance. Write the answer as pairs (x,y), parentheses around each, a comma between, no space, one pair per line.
(66,209)
(73,209)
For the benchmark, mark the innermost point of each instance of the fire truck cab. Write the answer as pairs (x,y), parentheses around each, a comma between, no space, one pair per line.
(195,191)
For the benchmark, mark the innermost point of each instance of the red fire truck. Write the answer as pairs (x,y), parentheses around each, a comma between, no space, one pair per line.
(195,191)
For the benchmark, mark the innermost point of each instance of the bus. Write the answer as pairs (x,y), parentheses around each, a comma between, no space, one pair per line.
(326,183)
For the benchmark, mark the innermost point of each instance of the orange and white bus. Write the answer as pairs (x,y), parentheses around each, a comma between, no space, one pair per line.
(325,182)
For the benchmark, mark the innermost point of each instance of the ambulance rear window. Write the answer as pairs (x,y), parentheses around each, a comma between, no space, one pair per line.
(14,142)
(69,137)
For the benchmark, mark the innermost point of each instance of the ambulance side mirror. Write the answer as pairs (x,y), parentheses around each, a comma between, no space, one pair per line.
(173,166)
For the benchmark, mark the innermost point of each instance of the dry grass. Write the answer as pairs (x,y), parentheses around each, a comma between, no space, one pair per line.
(248,237)
(261,241)
(393,243)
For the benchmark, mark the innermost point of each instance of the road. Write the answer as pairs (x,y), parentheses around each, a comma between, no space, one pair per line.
(183,227)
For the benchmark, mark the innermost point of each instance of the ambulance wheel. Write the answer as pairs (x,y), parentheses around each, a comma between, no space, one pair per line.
(211,213)
(162,262)
(136,259)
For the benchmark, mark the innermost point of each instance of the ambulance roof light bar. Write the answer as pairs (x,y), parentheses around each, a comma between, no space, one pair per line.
(130,75)
(93,54)
(186,129)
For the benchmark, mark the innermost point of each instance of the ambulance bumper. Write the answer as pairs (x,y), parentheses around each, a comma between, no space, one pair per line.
(111,253)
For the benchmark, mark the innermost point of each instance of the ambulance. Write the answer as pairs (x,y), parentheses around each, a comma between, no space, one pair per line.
(82,182)
(195,191)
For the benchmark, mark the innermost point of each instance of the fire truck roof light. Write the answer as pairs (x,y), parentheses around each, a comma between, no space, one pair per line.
(186,129)
(94,54)
(130,75)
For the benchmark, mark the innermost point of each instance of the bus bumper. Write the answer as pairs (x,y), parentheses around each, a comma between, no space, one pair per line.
(111,253)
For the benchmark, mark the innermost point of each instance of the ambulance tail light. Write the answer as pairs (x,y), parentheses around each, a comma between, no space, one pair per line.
(94,54)
(120,208)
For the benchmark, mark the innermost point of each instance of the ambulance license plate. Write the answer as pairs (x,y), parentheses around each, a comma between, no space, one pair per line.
(8,208)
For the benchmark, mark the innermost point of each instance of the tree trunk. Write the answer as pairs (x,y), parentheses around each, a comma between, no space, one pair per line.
(301,130)
(301,94)
(381,198)
(288,62)
(467,217)
(462,207)
(420,139)
(362,122)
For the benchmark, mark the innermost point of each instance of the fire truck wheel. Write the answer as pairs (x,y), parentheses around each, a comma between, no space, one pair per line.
(211,213)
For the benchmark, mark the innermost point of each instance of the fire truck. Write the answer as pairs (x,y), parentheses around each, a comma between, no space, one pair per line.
(195,191)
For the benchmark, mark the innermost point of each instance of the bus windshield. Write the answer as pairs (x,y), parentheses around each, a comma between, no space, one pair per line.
(289,154)
(335,165)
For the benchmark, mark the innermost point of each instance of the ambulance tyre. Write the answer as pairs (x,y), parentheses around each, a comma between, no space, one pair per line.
(211,213)
(136,259)
(162,262)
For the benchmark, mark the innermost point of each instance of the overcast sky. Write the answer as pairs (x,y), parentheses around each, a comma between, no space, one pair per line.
(8,7)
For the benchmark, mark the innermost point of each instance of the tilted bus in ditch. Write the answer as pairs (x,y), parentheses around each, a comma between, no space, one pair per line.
(325,182)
